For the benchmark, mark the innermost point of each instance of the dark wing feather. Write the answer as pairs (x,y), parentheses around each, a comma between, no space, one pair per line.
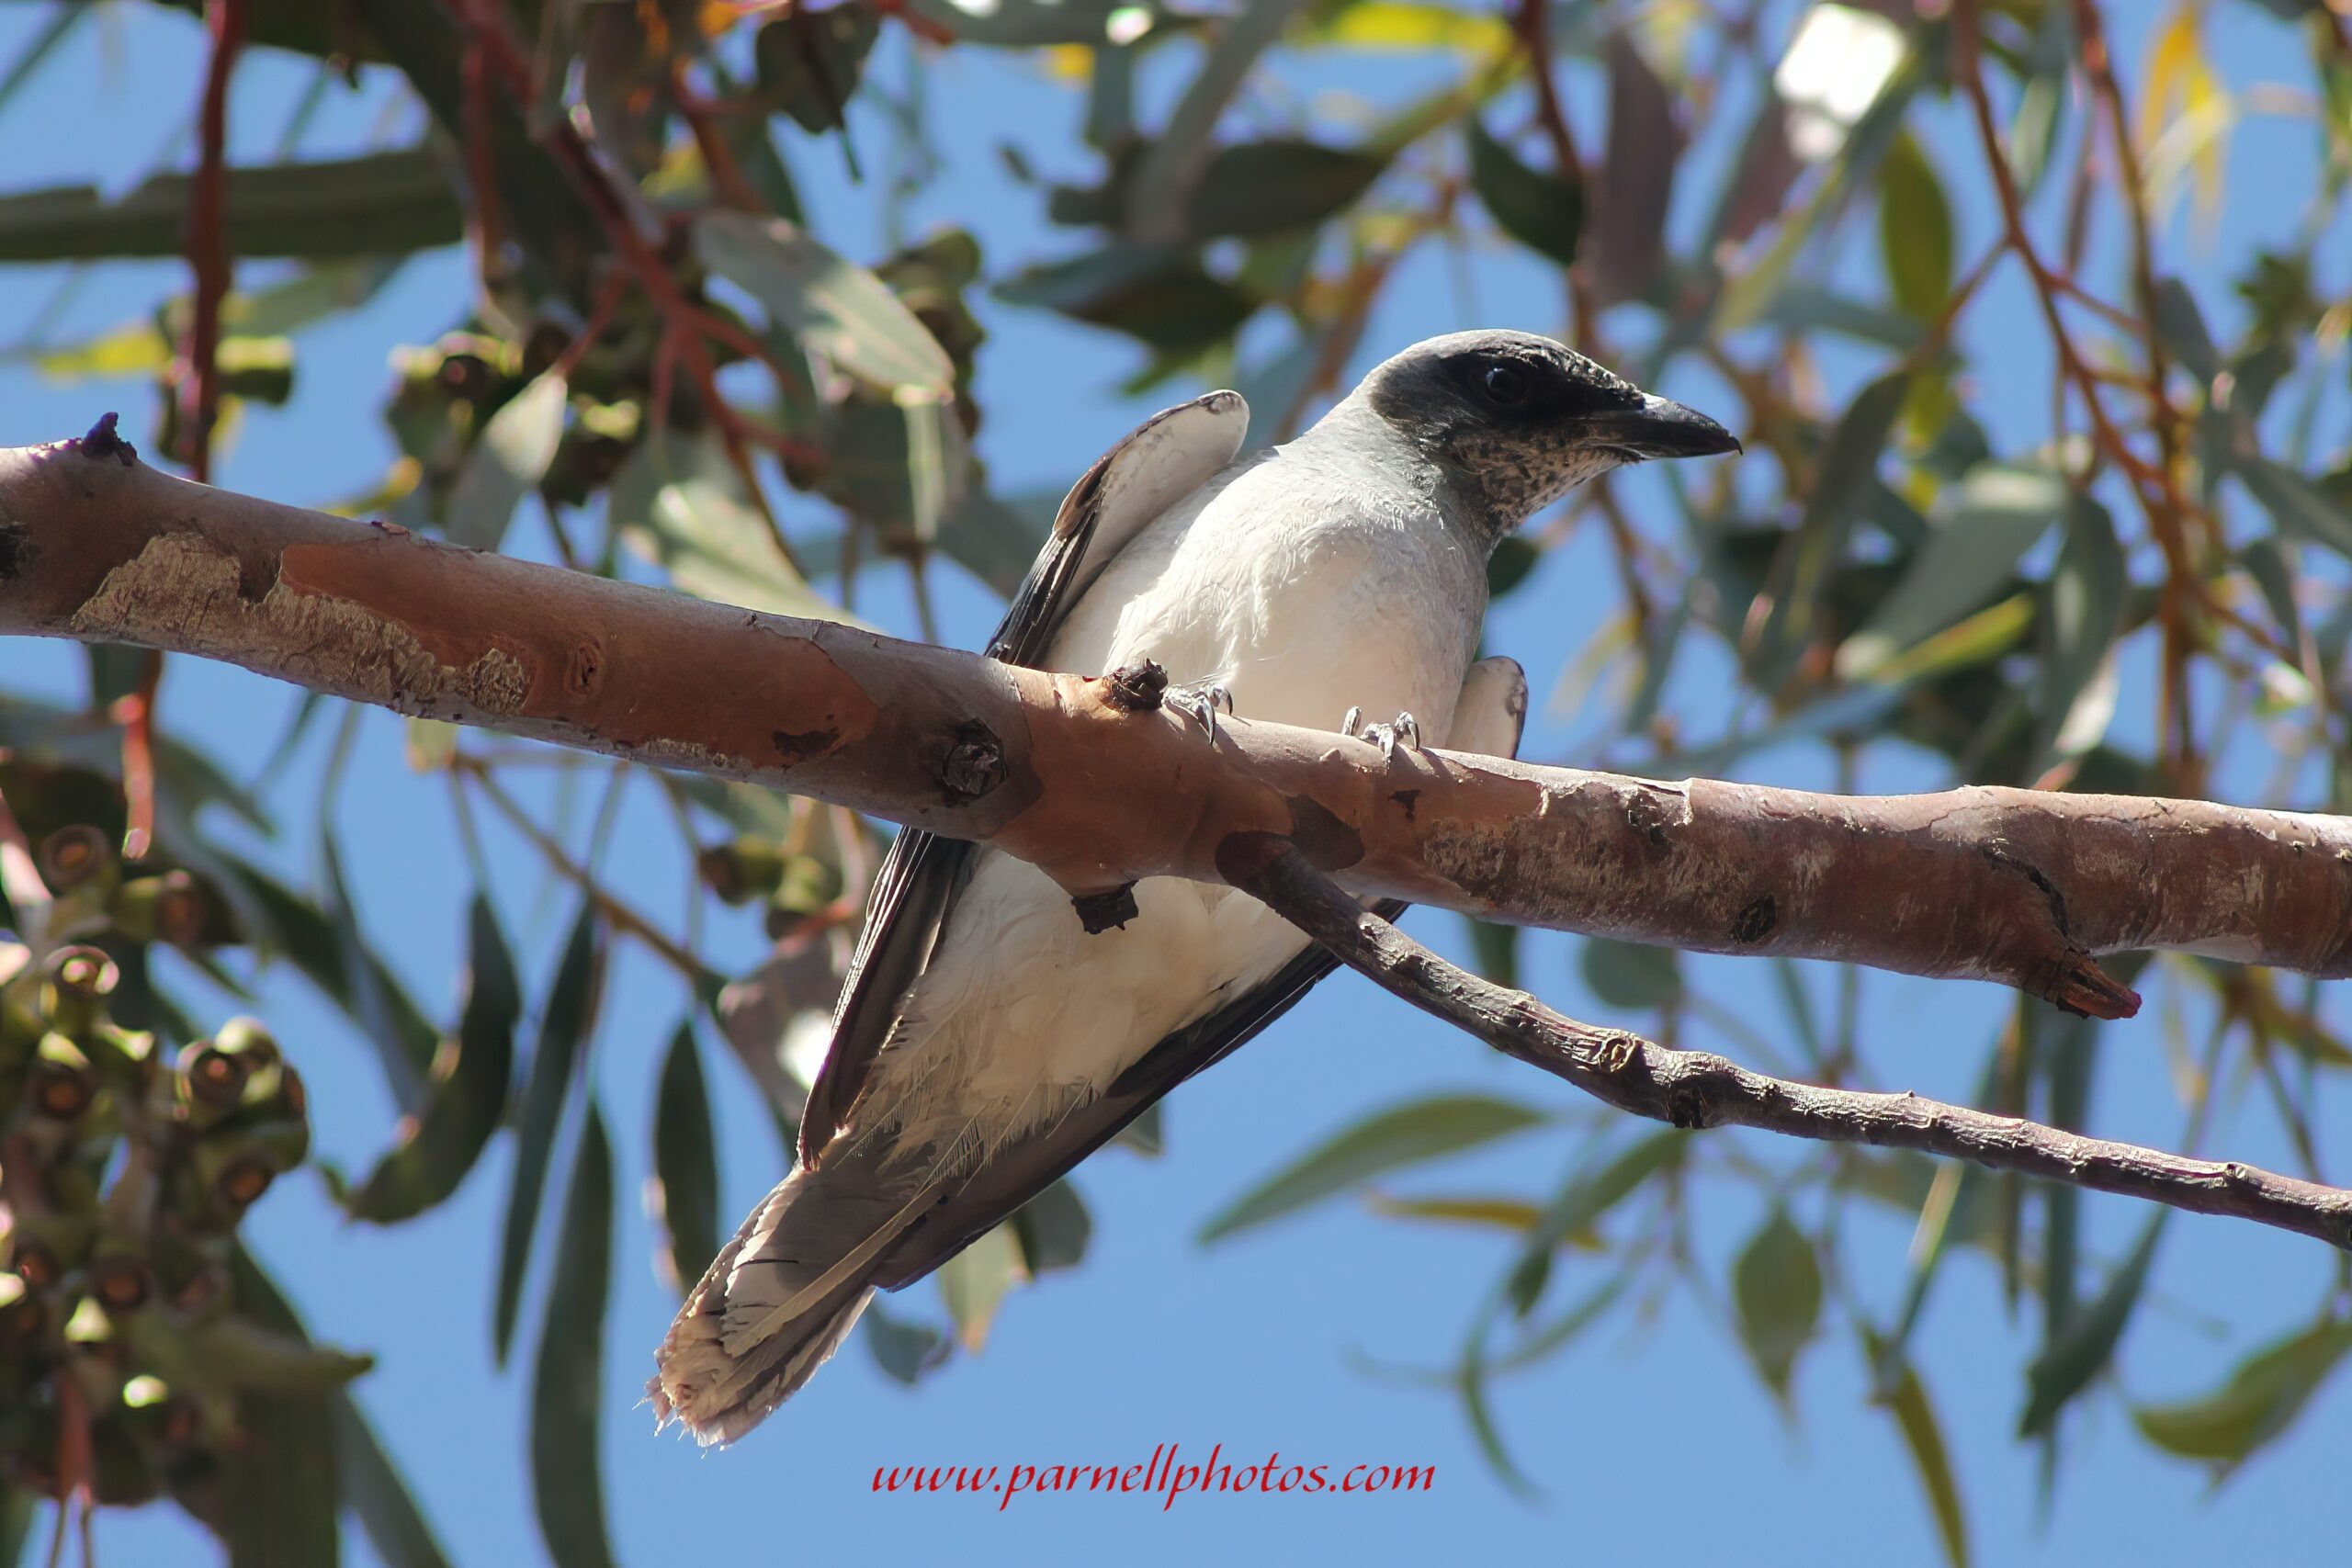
(1159,462)
(1017,1175)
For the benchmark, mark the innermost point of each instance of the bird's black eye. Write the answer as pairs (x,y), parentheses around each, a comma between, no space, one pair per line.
(1504,385)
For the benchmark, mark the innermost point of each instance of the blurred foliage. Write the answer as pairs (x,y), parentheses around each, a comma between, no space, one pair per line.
(1797,205)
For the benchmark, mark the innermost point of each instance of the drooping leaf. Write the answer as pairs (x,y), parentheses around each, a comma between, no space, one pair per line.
(467,1096)
(2296,504)
(404,1052)
(1983,527)
(1776,1285)
(563,1027)
(379,203)
(686,1161)
(1404,1134)
(1923,1439)
(2083,611)
(678,502)
(279,1487)
(1542,212)
(1631,974)
(1268,187)
(357,983)
(837,309)
(2260,1399)
(508,462)
(374,1490)
(1593,1188)
(1914,229)
(903,1348)
(1170,167)
(1841,481)
(1637,176)
(975,1281)
(809,62)
(2065,1368)
(567,1483)
(1496,948)
(1053,1229)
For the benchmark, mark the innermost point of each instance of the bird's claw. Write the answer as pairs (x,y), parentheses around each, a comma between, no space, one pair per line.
(1200,703)
(1405,730)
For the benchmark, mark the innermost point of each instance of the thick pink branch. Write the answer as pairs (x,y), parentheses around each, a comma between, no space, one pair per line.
(2000,885)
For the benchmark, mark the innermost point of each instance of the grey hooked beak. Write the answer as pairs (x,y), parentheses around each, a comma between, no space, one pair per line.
(1659,428)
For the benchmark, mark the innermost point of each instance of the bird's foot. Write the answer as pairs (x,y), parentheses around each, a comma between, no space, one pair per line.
(1404,731)
(1199,704)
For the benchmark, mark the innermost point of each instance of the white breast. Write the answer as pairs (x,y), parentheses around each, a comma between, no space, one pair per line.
(1367,602)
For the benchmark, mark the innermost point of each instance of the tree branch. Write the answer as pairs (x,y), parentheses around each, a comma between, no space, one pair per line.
(2010,886)
(1695,1088)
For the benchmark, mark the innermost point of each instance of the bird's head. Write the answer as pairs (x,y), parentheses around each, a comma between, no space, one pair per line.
(1516,421)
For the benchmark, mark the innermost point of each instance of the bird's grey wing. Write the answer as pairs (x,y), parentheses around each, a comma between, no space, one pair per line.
(1158,463)
(1488,719)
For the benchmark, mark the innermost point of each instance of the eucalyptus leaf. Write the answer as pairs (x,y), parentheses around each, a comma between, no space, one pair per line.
(686,1161)
(466,1096)
(836,308)
(564,1024)
(1404,1134)
(2259,1401)
(1544,213)
(567,1483)
(507,462)
(1776,1286)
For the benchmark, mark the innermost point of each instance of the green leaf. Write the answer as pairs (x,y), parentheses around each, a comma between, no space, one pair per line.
(1512,560)
(1923,1439)
(1991,519)
(903,1348)
(975,1281)
(2082,1352)
(357,982)
(2082,616)
(1589,1194)
(1159,295)
(2295,503)
(1269,188)
(403,1053)
(1914,229)
(377,204)
(839,309)
(2260,1400)
(1497,948)
(1053,1229)
(1776,1285)
(1637,172)
(809,62)
(1631,974)
(679,503)
(507,462)
(1148,1134)
(1402,1135)
(1842,479)
(563,1026)
(685,1162)
(1169,170)
(2181,327)
(467,1098)
(18,1508)
(1542,212)
(566,1478)
(373,1489)
(278,1486)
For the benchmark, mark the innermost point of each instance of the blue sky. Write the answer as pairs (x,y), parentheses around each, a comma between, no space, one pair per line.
(1259,1343)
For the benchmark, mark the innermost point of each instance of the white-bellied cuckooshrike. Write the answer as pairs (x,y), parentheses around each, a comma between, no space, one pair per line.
(985,1042)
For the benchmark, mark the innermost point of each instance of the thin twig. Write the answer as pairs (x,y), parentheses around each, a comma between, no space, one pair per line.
(1694,1088)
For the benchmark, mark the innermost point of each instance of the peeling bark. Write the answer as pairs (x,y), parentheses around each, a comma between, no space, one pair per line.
(1091,782)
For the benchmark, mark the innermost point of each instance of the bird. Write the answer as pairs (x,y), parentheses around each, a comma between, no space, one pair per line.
(985,1039)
